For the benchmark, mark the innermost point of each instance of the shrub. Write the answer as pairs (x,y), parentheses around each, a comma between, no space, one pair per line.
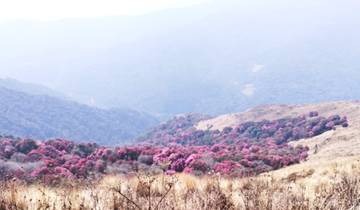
(243,150)
(25,146)
(146,159)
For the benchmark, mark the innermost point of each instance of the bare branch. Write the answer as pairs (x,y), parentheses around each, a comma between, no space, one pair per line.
(127,198)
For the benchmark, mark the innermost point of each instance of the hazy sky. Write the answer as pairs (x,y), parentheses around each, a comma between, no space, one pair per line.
(45,10)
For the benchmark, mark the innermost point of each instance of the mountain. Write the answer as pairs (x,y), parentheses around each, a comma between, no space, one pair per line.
(217,57)
(44,117)
(29,88)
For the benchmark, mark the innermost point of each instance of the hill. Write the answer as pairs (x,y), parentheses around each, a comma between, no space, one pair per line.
(329,153)
(298,157)
(244,149)
(341,142)
(44,117)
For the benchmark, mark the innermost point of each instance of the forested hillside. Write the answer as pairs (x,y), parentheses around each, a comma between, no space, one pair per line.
(44,117)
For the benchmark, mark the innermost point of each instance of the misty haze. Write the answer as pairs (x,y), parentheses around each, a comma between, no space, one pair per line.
(257,95)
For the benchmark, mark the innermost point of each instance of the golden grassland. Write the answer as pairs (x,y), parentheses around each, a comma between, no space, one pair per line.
(336,186)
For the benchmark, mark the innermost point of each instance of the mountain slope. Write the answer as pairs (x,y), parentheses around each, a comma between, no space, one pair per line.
(333,151)
(340,142)
(220,57)
(43,117)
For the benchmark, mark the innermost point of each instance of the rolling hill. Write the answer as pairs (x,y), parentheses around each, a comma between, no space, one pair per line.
(44,117)
(342,142)
(330,152)
(244,149)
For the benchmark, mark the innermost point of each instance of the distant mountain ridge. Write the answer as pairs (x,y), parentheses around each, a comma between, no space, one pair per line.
(44,117)
(33,89)
(221,57)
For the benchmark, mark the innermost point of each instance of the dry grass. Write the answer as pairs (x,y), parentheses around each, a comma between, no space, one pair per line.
(351,109)
(341,190)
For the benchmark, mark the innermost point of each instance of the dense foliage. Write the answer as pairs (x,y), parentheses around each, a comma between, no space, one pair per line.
(247,149)
(44,117)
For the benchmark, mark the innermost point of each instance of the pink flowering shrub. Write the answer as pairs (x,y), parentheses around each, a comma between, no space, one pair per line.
(247,149)
(226,167)
(25,146)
